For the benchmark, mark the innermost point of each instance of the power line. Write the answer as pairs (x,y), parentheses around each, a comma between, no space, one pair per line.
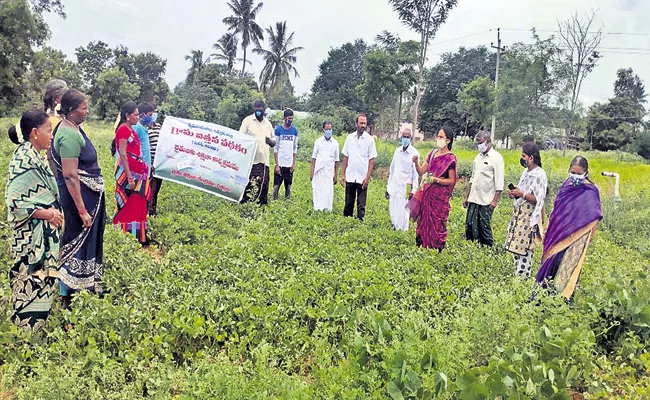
(462,37)
(604,33)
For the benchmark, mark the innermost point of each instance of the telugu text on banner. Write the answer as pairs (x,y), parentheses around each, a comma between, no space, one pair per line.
(205,156)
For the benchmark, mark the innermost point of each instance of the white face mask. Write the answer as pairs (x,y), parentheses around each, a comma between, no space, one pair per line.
(482,148)
(441,143)
(576,179)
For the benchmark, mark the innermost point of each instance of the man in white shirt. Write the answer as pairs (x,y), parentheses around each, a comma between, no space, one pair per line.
(484,190)
(359,153)
(402,182)
(260,128)
(324,169)
(285,151)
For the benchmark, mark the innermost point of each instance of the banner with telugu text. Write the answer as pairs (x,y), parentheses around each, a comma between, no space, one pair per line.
(204,156)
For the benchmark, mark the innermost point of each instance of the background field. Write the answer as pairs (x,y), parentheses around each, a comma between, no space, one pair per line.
(236,302)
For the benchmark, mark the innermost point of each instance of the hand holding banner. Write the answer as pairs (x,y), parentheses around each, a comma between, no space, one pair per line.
(205,156)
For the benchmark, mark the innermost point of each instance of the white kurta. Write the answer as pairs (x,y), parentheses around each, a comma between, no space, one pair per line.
(326,154)
(402,173)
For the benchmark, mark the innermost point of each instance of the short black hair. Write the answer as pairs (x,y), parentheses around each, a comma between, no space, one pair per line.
(326,122)
(146,107)
(356,121)
(259,104)
(288,113)
(71,100)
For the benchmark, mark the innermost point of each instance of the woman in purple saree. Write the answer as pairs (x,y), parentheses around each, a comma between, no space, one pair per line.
(430,206)
(574,219)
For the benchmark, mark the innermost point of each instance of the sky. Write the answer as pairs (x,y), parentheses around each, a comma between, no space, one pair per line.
(172,28)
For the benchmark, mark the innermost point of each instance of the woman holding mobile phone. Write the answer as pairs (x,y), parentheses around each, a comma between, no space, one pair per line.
(524,231)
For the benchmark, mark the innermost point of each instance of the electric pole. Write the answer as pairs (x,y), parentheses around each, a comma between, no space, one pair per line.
(496,77)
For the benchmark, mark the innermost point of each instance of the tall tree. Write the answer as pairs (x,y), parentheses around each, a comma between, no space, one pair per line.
(389,71)
(55,6)
(526,88)
(242,23)
(424,17)
(226,48)
(113,89)
(279,59)
(198,63)
(94,59)
(21,30)
(629,85)
(339,75)
(478,100)
(445,79)
(577,61)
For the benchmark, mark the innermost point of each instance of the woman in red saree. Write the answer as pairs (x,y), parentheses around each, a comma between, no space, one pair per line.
(430,206)
(132,189)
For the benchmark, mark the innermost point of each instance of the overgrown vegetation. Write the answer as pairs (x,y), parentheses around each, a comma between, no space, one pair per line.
(235,302)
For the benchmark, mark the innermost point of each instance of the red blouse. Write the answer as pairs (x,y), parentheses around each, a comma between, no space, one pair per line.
(134,154)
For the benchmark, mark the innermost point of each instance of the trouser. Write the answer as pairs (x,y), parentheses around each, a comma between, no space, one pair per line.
(155,184)
(478,224)
(258,185)
(355,191)
(285,176)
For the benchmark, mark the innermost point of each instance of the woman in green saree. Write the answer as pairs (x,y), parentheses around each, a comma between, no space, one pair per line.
(34,212)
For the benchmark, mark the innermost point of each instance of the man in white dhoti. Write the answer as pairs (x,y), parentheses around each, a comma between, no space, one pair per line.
(324,169)
(402,182)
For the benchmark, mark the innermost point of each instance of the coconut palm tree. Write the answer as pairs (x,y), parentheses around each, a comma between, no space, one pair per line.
(279,58)
(227,51)
(196,58)
(242,22)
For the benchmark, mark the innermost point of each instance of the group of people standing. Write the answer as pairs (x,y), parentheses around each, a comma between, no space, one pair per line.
(58,211)
(421,192)
(575,216)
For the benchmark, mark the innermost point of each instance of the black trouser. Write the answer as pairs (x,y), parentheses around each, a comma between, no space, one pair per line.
(285,176)
(258,185)
(478,224)
(355,191)
(155,184)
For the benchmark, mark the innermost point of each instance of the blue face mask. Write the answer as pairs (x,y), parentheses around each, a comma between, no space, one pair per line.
(147,120)
(288,122)
(406,142)
(154,118)
(328,134)
(259,115)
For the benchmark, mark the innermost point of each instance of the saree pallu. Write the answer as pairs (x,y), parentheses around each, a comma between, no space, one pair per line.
(430,206)
(131,204)
(35,242)
(576,213)
(82,249)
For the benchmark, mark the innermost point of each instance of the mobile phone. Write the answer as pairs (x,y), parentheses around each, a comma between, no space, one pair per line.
(511,186)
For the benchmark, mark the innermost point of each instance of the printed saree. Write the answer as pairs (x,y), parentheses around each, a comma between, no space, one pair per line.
(576,213)
(35,242)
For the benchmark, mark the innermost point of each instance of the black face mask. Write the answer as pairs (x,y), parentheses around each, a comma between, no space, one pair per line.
(523,163)
(259,115)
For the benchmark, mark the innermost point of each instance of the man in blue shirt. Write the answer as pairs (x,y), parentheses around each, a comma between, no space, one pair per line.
(286,137)
(147,118)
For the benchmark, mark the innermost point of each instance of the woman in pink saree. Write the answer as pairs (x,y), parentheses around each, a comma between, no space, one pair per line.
(430,206)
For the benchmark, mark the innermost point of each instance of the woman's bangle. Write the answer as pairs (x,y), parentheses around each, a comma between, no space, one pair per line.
(82,211)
